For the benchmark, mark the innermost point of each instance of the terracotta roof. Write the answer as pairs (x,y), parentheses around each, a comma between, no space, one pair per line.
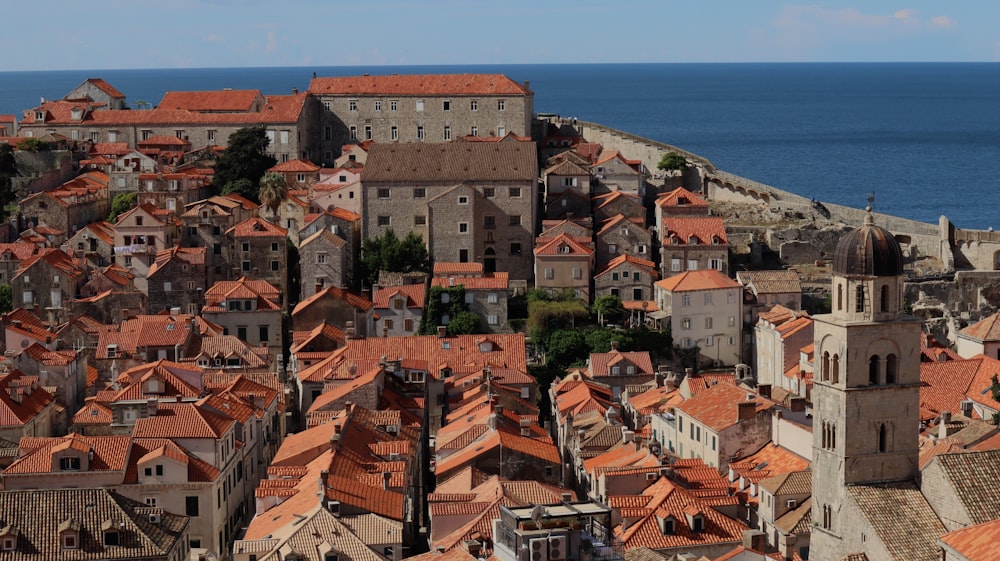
(493,281)
(182,420)
(971,476)
(38,515)
(601,363)
(257,227)
(265,293)
(418,84)
(701,279)
(144,331)
(718,406)
(21,399)
(975,543)
(901,518)
(792,483)
(351,298)
(295,166)
(93,413)
(986,329)
(110,453)
(210,101)
(451,162)
(105,87)
(415,295)
(771,282)
(694,231)
(452,268)
(562,244)
(944,385)
(648,266)
(681,197)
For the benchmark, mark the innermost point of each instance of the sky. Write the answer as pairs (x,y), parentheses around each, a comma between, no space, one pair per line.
(121,34)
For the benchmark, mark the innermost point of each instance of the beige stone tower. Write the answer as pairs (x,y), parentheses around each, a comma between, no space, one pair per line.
(866,392)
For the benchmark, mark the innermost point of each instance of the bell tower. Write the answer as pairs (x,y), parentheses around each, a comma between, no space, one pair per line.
(866,392)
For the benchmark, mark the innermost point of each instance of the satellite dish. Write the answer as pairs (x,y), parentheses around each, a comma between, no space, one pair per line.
(211,556)
(537,513)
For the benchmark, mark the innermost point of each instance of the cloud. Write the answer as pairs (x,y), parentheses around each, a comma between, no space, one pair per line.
(272,42)
(212,38)
(942,21)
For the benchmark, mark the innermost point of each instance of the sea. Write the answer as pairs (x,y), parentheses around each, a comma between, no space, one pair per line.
(923,137)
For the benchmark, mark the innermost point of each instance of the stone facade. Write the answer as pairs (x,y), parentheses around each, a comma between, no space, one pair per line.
(628,278)
(177,279)
(71,206)
(704,309)
(612,204)
(248,309)
(324,260)
(690,244)
(140,234)
(205,225)
(48,281)
(619,236)
(563,264)
(172,191)
(470,201)
(418,108)
(259,250)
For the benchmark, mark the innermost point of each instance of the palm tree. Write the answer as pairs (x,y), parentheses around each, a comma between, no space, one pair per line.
(273,190)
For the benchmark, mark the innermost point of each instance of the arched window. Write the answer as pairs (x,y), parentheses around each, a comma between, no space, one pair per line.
(826,366)
(890,369)
(833,436)
(827,517)
(884,300)
(882,440)
(840,297)
(873,364)
(859,298)
(836,369)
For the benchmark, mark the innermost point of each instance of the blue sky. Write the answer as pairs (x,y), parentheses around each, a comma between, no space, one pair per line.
(59,34)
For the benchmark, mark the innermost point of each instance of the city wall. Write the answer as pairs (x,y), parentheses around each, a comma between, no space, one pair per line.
(955,248)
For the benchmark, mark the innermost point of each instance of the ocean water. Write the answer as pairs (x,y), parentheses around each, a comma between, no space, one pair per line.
(924,137)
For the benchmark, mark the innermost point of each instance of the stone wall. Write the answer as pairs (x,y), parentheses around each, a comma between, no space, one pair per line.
(41,171)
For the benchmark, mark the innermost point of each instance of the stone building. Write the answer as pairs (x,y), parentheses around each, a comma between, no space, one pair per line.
(71,206)
(177,279)
(719,422)
(11,255)
(95,242)
(980,338)
(205,225)
(298,173)
(47,280)
(692,243)
(612,171)
(566,175)
(259,249)
(343,309)
(485,294)
(140,234)
(614,203)
(471,201)
(561,263)
(779,337)
(418,108)
(629,278)
(26,408)
(201,118)
(324,260)
(620,235)
(339,188)
(397,310)
(173,190)
(248,309)
(99,91)
(125,171)
(704,309)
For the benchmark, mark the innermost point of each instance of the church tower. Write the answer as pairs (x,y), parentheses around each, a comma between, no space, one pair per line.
(866,392)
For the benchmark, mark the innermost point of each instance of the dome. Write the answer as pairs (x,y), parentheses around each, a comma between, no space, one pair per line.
(870,251)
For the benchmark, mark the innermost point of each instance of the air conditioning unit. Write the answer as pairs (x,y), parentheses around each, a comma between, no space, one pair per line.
(155,518)
(539,548)
(86,236)
(557,547)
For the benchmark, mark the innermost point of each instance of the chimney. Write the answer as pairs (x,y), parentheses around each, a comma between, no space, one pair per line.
(386,476)
(474,547)
(349,330)
(627,435)
(498,408)
(442,332)
(967,407)
(295,91)
(179,397)
(323,476)
(614,345)
(754,540)
(747,409)
(152,406)
(943,426)
(764,390)
(797,404)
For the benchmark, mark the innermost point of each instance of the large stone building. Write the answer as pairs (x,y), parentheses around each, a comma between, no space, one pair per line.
(419,108)
(471,201)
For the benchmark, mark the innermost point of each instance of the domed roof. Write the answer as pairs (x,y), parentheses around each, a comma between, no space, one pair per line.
(870,251)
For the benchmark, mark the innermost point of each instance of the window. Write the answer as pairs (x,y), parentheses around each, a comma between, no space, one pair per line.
(419,220)
(420,133)
(378,104)
(692,264)
(685,300)
(577,273)
(159,469)
(383,220)
(352,105)
(715,264)
(69,541)
(474,131)
(383,193)
(246,266)
(326,105)
(394,133)
(419,193)
(393,104)
(321,258)
(501,105)
(191,506)
(468,298)
(859,299)
(873,368)
(491,298)
(686,323)
(263,333)
(420,105)
(730,297)
(283,135)
(274,246)
(489,221)
(146,134)
(515,248)
(69,463)
(709,341)
(882,438)
(463,200)
(27,297)
(246,247)
(110,537)
(368,132)
(515,220)
(732,321)
(148,472)
(275,265)
(890,369)
(549,274)
(150,501)
(708,298)
(354,132)
(515,192)
(94,136)
(708,323)
(501,131)
(447,133)
(446,105)
(463,227)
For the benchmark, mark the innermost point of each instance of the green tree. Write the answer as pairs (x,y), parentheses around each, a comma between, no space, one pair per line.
(123,202)
(6,298)
(464,323)
(8,171)
(565,348)
(388,253)
(33,145)
(599,340)
(245,157)
(273,190)
(672,161)
(607,307)
(243,187)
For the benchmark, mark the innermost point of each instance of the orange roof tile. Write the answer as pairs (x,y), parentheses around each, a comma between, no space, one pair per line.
(986,329)
(694,231)
(418,84)
(681,197)
(182,420)
(257,227)
(415,295)
(718,406)
(649,266)
(978,543)
(562,244)
(701,279)
(295,166)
